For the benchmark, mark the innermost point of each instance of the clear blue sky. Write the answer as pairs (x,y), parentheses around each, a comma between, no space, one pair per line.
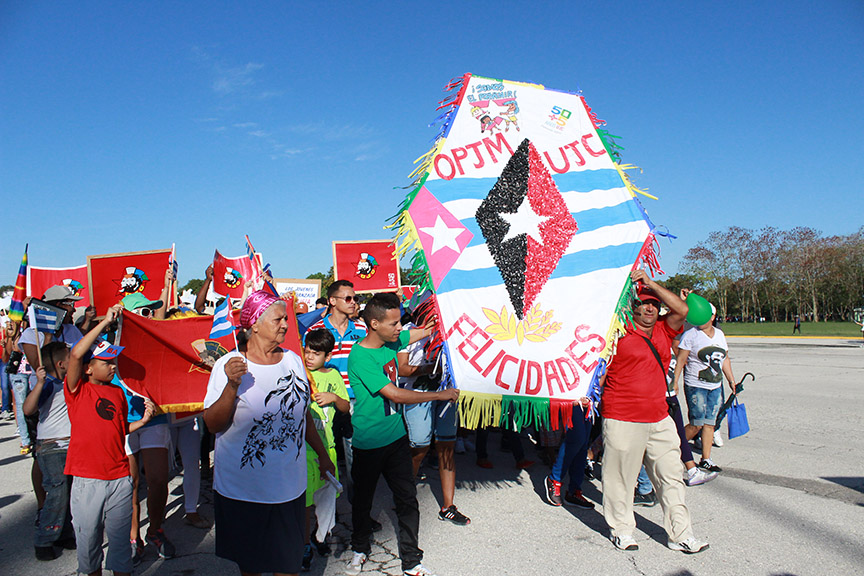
(129,126)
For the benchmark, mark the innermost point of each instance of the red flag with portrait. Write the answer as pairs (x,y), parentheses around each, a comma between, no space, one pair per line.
(169,361)
(41,279)
(112,277)
(231,274)
(370,265)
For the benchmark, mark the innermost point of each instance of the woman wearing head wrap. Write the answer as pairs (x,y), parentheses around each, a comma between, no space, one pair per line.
(256,405)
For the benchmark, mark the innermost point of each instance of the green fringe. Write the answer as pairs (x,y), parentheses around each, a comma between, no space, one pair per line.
(526,412)
(624,307)
(609,143)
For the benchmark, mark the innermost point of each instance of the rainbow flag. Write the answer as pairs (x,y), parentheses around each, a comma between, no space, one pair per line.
(16,308)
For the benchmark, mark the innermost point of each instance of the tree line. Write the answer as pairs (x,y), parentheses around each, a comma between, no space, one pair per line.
(777,274)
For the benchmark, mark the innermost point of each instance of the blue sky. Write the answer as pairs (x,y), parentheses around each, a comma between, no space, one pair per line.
(131,126)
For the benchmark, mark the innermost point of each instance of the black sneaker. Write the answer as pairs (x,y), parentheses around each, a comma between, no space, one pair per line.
(46,553)
(578,500)
(553,491)
(454,516)
(163,546)
(307,558)
(707,464)
(647,500)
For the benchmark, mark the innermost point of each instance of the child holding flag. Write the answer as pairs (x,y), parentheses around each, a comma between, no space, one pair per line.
(101,499)
(329,395)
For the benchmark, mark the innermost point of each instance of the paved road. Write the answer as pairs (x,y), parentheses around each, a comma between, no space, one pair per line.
(790,501)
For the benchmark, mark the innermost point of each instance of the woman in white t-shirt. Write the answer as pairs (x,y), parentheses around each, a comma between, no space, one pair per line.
(256,404)
(704,355)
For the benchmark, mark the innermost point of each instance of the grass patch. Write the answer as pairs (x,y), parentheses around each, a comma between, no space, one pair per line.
(836,329)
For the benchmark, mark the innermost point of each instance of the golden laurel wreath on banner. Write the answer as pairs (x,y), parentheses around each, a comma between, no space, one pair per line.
(536,326)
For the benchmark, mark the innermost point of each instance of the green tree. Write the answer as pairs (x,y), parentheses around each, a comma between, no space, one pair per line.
(194,285)
(326,279)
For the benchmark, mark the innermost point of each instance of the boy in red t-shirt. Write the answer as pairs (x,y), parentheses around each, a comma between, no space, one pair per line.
(101,499)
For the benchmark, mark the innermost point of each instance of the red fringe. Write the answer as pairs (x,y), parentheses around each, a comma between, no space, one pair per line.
(561,414)
(591,114)
(648,255)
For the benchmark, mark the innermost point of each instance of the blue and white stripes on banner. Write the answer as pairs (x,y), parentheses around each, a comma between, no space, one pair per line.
(221,322)
(43,320)
(611,227)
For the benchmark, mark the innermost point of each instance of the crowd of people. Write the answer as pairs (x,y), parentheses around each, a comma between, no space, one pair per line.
(363,394)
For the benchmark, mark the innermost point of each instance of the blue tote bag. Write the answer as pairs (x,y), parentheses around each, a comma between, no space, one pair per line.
(736,416)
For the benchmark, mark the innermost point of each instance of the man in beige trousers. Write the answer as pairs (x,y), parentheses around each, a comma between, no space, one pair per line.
(637,427)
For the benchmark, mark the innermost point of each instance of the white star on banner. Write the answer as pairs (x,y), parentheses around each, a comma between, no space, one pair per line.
(442,236)
(524,221)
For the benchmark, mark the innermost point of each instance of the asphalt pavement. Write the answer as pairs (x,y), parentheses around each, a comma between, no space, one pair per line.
(790,500)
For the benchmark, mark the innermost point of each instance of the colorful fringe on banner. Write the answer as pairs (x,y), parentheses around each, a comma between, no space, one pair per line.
(481,202)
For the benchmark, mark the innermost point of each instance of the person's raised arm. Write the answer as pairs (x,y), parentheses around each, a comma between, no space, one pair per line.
(30,351)
(201,297)
(149,411)
(75,366)
(159,313)
(219,415)
(31,403)
(677,306)
(407,370)
(427,330)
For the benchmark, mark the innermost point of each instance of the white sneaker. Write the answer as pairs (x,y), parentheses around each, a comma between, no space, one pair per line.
(418,570)
(718,439)
(460,446)
(626,542)
(356,565)
(697,476)
(690,546)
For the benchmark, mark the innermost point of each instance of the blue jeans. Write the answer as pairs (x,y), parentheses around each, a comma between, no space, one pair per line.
(643,483)
(5,389)
(573,454)
(20,388)
(55,521)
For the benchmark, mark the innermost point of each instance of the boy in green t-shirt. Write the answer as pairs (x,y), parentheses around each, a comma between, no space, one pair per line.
(380,439)
(329,395)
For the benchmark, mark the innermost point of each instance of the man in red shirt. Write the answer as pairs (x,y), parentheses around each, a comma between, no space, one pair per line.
(637,427)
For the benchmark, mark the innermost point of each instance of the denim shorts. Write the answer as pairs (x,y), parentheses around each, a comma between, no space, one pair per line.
(422,419)
(703,405)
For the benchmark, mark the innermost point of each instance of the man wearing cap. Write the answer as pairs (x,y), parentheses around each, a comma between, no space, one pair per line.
(637,427)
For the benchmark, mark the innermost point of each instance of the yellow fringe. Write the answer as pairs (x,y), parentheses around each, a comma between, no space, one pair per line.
(630,186)
(188,407)
(425,161)
(478,410)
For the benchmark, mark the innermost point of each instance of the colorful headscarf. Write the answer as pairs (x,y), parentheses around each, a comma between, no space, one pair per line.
(255,305)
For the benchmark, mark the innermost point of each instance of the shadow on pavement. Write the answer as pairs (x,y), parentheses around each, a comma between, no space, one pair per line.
(853,482)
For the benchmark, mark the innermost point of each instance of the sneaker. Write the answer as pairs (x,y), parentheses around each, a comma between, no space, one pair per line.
(553,491)
(697,476)
(197,521)
(647,500)
(589,470)
(454,516)
(418,570)
(307,558)
(690,546)
(163,546)
(708,464)
(718,439)
(137,552)
(697,441)
(625,542)
(524,464)
(356,565)
(460,446)
(46,553)
(484,463)
(578,500)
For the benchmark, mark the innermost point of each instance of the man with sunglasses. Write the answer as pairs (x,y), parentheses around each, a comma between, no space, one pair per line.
(343,306)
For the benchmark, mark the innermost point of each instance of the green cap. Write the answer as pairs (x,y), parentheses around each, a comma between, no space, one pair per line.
(138,300)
